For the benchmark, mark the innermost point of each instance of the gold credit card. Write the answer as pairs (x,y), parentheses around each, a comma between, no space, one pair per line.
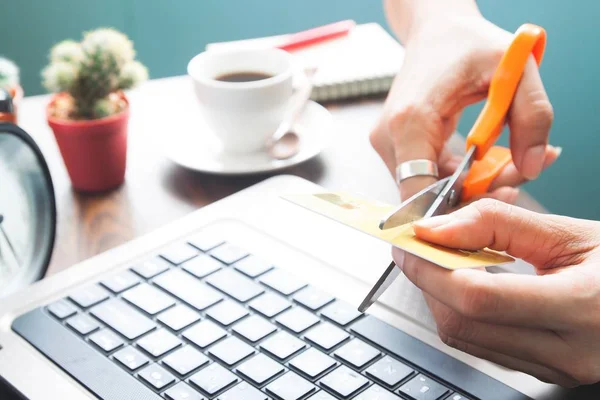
(365,215)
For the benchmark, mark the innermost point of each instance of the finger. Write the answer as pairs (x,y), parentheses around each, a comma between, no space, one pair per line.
(530,118)
(448,162)
(458,342)
(505,194)
(414,185)
(415,132)
(506,299)
(510,175)
(382,144)
(545,241)
(543,373)
(532,345)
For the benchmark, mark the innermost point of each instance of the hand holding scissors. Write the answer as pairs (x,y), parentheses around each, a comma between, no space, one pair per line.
(483,161)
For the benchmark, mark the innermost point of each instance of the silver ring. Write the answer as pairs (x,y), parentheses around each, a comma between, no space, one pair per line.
(411,168)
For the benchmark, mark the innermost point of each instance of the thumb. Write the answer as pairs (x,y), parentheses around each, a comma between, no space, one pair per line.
(546,241)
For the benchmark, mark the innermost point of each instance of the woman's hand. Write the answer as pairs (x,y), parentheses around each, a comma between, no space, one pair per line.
(546,325)
(451,55)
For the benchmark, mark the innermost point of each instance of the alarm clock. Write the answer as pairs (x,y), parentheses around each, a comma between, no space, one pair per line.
(27,207)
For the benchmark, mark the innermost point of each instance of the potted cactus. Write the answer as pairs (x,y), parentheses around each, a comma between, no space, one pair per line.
(9,80)
(89,112)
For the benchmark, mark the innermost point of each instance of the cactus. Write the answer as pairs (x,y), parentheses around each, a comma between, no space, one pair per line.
(92,72)
(9,74)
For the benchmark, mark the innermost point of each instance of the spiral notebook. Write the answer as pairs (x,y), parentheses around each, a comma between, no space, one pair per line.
(362,63)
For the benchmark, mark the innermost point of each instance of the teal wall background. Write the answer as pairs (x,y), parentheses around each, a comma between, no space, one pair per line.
(168,33)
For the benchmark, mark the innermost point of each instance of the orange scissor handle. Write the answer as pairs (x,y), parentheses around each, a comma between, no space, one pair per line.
(529,39)
(483,172)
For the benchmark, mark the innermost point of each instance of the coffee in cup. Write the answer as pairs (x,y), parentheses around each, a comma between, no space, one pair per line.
(243,77)
(242,94)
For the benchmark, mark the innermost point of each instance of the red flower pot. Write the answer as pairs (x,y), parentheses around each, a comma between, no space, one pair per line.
(94,151)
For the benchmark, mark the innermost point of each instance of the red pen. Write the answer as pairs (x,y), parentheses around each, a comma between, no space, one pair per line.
(297,40)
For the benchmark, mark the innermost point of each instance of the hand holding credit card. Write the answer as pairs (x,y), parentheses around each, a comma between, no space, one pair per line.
(365,215)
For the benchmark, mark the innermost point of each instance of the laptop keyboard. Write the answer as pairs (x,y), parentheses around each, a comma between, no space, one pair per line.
(208,320)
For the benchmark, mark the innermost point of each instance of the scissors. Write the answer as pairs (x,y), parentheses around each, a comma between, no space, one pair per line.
(483,161)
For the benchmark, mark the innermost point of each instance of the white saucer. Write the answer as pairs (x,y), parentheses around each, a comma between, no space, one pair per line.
(197,149)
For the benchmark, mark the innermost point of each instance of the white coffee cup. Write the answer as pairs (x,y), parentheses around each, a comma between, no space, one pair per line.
(242,115)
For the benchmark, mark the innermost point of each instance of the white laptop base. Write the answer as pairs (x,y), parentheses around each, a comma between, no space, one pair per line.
(325,254)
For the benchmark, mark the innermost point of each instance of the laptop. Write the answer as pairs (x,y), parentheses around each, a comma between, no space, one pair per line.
(249,298)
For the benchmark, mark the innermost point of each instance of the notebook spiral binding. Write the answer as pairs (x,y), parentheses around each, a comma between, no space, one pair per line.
(349,89)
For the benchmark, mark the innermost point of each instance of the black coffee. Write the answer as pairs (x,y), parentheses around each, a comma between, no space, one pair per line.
(243,77)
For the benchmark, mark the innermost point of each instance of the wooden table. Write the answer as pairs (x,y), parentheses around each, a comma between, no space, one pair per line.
(158,191)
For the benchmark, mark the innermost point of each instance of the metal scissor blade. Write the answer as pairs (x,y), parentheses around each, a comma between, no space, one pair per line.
(384,282)
(450,196)
(415,207)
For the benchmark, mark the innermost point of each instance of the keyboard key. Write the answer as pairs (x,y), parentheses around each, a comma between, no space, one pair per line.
(254,328)
(204,333)
(178,253)
(297,319)
(326,335)
(423,388)
(202,266)
(235,284)
(260,369)
(131,358)
(357,353)
(282,282)
(178,317)
(213,379)
(156,376)
(312,298)
(231,351)
(205,241)
(123,318)
(107,340)
(182,391)
(87,296)
(269,304)
(290,387)
(121,281)
(322,395)
(340,312)
(376,392)
(83,324)
(159,342)
(313,363)
(227,312)
(243,391)
(148,298)
(229,253)
(389,371)
(344,381)
(282,345)
(188,289)
(185,360)
(152,267)
(62,309)
(253,266)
